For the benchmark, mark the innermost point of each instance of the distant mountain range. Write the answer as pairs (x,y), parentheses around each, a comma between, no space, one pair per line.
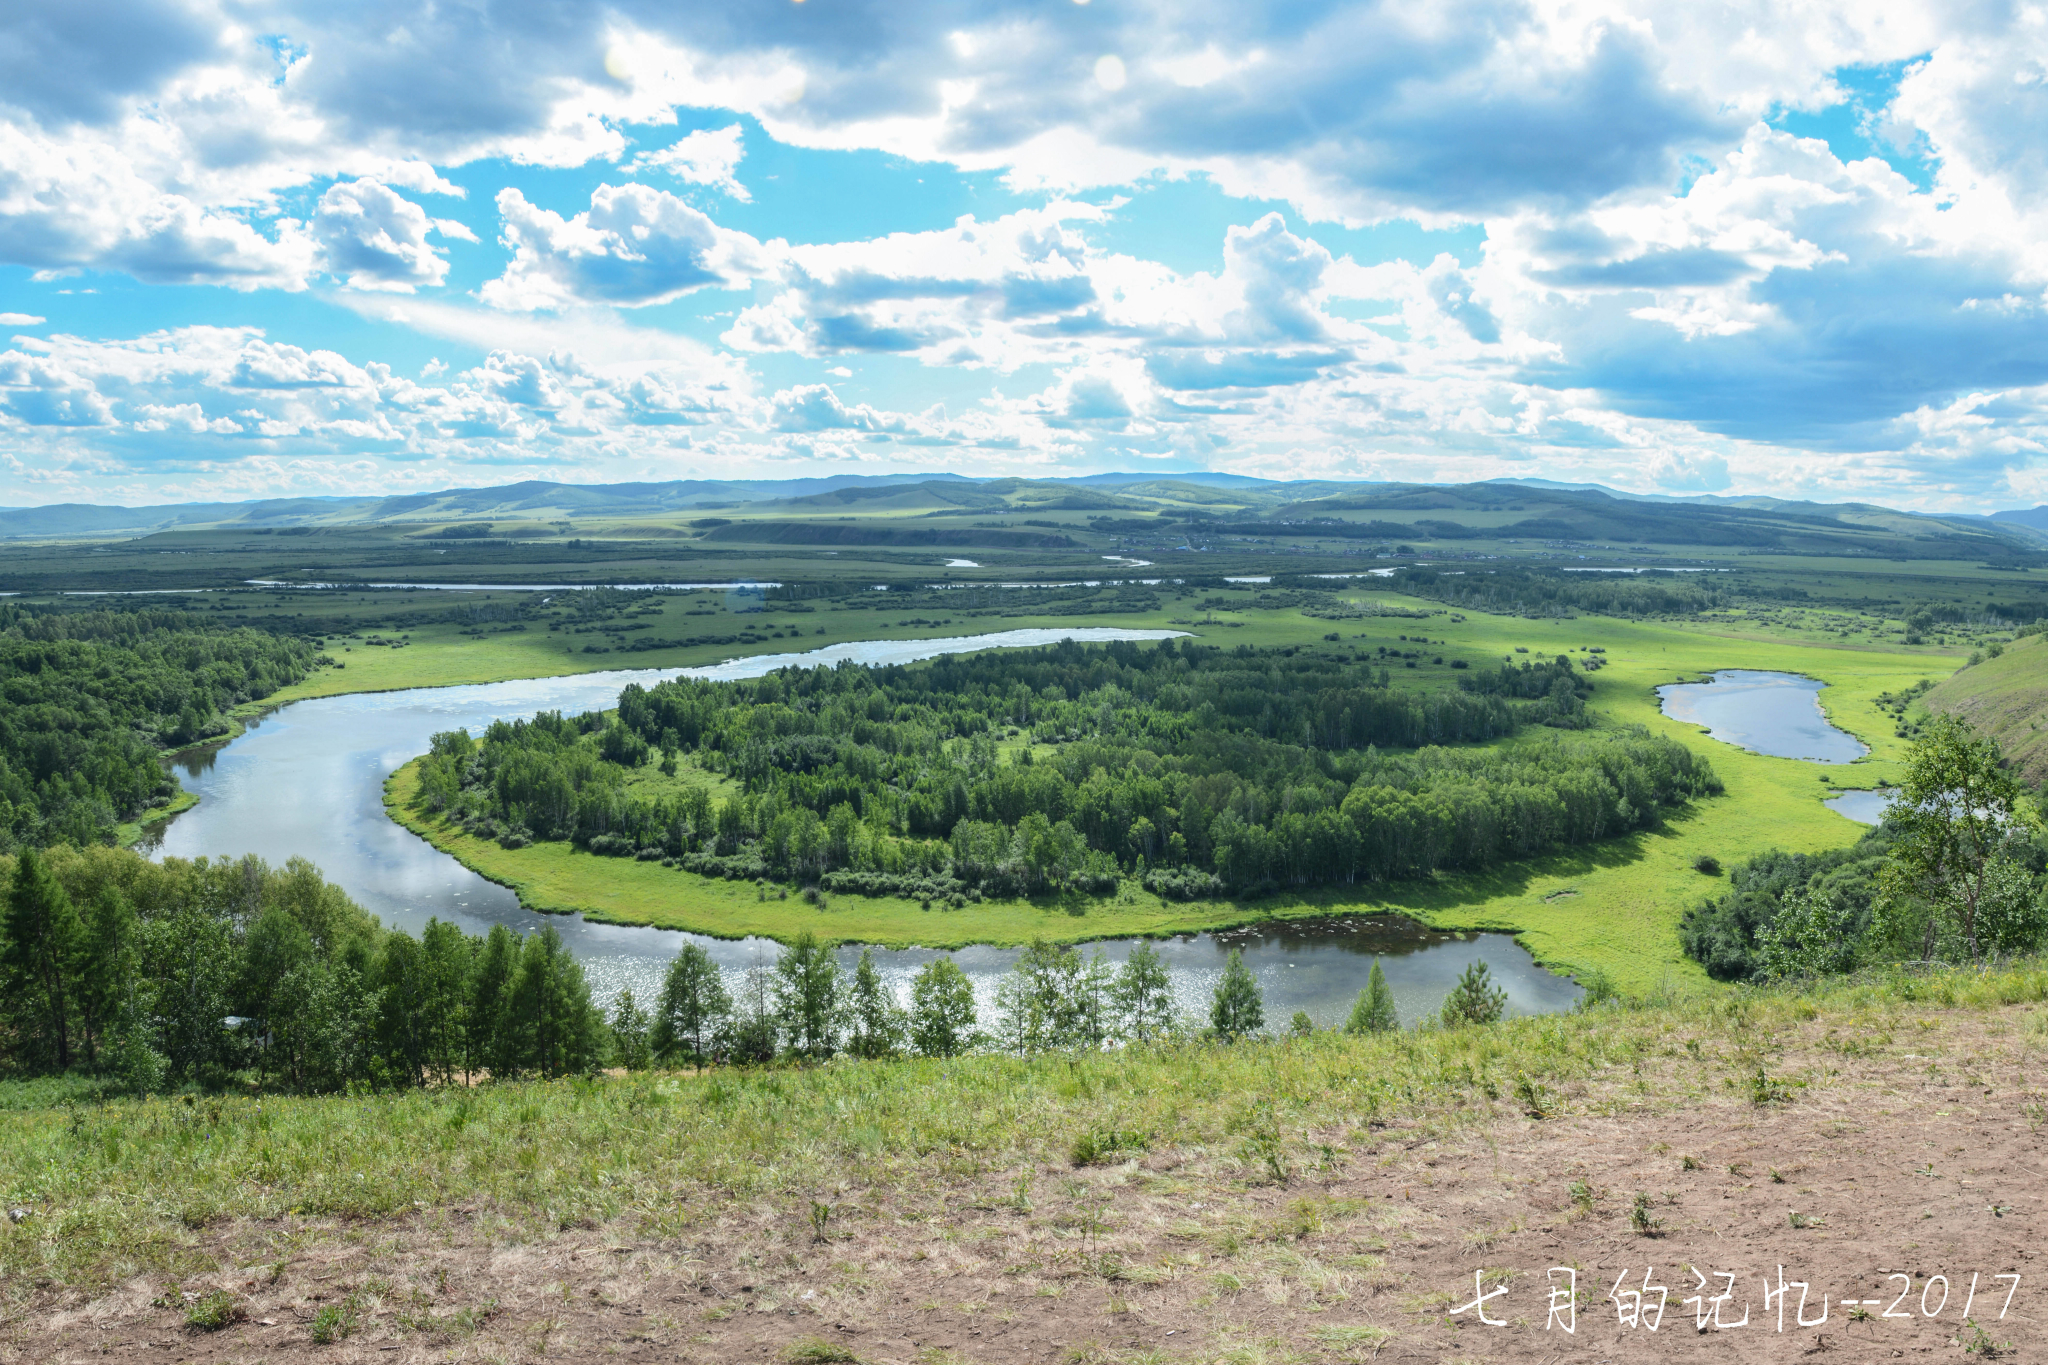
(2037,518)
(534,499)
(1551,510)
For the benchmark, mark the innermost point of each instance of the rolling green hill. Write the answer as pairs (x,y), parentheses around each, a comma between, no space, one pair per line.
(1513,512)
(2006,698)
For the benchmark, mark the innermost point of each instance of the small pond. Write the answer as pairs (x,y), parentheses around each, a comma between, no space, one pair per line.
(1767,713)
(307,780)
(1864,807)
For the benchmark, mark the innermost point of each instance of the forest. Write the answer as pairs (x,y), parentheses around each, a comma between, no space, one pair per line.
(221,974)
(89,700)
(1196,769)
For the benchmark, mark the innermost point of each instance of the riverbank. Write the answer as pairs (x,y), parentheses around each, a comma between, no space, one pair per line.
(132,832)
(1321,1199)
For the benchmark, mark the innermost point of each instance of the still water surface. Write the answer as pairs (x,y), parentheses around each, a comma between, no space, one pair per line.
(308,780)
(1767,713)
(1864,807)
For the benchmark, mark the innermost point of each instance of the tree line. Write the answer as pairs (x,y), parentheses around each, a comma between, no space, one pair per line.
(1956,872)
(198,972)
(234,973)
(1198,769)
(1553,593)
(91,699)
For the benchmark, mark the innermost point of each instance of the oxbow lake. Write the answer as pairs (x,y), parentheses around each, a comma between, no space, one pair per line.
(1767,713)
(308,780)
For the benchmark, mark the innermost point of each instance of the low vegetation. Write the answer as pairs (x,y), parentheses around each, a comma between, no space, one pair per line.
(2005,696)
(1357,1175)
(1958,872)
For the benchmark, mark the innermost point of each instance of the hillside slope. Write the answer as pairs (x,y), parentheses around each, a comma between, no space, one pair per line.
(1327,1199)
(2006,698)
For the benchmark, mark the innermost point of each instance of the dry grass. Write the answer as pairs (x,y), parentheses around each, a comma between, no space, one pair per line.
(672,1216)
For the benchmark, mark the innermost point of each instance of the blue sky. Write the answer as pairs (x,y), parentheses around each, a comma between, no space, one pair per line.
(316,249)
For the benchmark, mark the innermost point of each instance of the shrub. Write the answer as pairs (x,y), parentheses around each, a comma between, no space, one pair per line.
(211,1312)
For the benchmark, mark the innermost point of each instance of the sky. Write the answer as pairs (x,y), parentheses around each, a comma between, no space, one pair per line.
(281,249)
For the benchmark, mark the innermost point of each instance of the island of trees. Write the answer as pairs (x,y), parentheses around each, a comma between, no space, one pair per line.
(1200,770)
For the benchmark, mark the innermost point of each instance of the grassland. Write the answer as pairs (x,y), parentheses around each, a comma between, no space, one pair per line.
(2006,698)
(1614,907)
(1312,1199)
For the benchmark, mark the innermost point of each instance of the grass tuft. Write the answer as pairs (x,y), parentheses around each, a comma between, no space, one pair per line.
(211,1312)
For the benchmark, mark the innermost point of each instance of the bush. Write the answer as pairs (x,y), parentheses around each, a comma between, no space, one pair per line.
(1184,884)
(1707,864)
(1726,935)
(334,1322)
(214,1311)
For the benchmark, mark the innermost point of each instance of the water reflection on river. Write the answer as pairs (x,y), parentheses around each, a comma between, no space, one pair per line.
(307,780)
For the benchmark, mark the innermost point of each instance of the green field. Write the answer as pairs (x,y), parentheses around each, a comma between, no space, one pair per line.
(2006,698)
(1614,907)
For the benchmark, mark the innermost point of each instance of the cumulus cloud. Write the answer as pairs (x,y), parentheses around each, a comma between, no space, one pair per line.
(229,396)
(634,246)
(1787,316)
(815,407)
(1030,287)
(67,205)
(701,158)
(376,239)
(1707,307)
(1357,111)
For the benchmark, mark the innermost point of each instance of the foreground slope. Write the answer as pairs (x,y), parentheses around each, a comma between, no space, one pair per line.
(1312,1199)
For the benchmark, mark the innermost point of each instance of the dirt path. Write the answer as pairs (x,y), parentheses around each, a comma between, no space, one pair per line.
(1895,1159)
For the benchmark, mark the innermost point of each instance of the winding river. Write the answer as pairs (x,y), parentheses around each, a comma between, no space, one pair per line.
(307,780)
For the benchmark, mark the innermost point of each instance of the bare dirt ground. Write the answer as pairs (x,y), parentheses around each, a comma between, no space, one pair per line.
(1903,1173)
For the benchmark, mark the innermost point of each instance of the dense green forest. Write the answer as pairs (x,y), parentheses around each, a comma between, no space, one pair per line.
(229,973)
(1955,873)
(1196,768)
(198,972)
(89,699)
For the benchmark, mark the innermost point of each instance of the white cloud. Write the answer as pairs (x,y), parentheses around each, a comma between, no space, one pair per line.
(1786,320)
(701,158)
(66,204)
(634,246)
(20,320)
(376,239)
